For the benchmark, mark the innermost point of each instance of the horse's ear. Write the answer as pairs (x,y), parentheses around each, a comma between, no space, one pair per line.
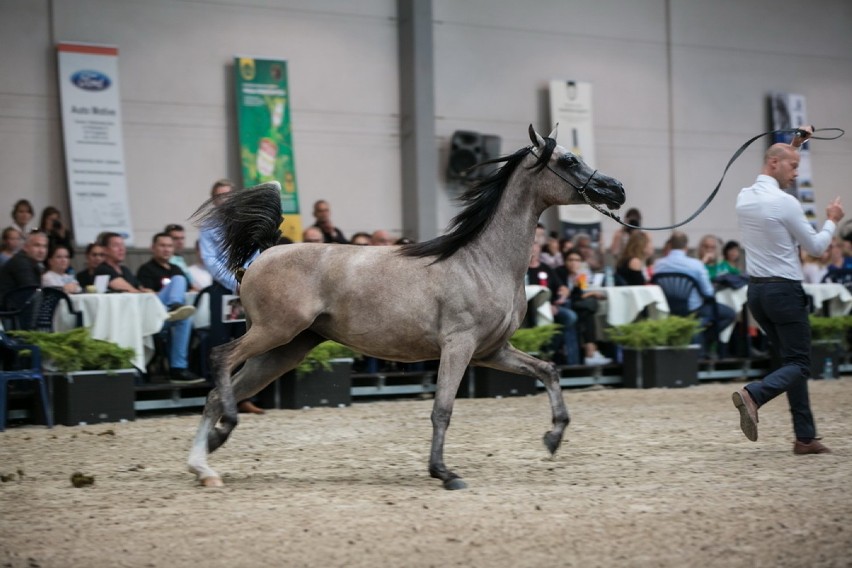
(536,138)
(553,133)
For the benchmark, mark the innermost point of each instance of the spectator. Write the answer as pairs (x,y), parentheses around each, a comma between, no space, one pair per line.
(57,233)
(381,238)
(551,255)
(631,267)
(566,343)
(710,255)
(178,236)
(24,269)
(678,261)
(322,216)
(13,240)
(360,239)
(22,215)
(815,268)
(622,233)
(94,257)
(584,302)
(582,243)
(732,258)
(312,234)
(169,283)
(198,273)
(839,268)
(56,275)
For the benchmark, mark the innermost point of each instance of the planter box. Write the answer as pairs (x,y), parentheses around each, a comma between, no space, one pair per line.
(822,350)
(666,367)
(319,388)
(91,397)
(490,383)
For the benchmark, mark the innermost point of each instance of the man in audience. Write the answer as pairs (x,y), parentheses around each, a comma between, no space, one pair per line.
(312,235)
(322,215)
(381,238)
(566,343)
(24,268)
(169,283)
(178,236)
(678,261)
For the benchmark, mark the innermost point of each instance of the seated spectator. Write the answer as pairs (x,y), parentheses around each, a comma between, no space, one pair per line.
(732,255)
(622,233)
(709,252)
(839,269)
(169,283)
(551,255)
(566,344)
(178,236)
(584,302)
(94,257)
(13,240)
(57,233)
(381,238)
(24,269)
(56,275)
(22,216)
(198,273)
(678,261)
(322,216)
(312,235)
(814,268)
(360,239)
(583,244)
(631,267)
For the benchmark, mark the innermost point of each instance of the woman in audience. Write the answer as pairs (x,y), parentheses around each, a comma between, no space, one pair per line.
(622,233)
(13,240)
(551,254)
(631,267)
(22,216)
(56,275)
(732,258)
(814,268)
(94,257)
(584,302)
(56,231)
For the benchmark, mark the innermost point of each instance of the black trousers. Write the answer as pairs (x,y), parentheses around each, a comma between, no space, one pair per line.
(781,309)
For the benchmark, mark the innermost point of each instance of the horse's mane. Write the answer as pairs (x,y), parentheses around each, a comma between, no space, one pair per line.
(482,200)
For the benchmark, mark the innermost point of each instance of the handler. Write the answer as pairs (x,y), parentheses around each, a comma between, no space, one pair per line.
(772,224)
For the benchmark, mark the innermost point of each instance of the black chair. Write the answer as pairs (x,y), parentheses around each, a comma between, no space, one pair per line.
(20,307)
(16,369)
(51,299)
(678,288)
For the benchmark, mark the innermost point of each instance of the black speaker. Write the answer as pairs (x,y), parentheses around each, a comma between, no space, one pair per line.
(465,151)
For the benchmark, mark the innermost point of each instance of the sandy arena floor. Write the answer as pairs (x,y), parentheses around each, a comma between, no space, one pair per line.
(644,478)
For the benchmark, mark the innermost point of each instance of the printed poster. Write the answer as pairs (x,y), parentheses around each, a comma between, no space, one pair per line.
(94,147)
(789,110)
(265,133)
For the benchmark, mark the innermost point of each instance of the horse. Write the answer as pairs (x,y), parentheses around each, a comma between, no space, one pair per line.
(457,298)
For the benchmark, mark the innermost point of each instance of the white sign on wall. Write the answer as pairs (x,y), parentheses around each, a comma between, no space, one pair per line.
(94,146)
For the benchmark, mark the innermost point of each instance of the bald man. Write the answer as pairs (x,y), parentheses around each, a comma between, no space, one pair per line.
(773,226)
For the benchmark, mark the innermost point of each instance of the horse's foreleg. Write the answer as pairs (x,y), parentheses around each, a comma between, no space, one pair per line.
(514,361)
(450,372)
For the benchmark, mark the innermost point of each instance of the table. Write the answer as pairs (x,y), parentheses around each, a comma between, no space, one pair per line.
(624,303)
(126,319)
(735,299)
(538,299)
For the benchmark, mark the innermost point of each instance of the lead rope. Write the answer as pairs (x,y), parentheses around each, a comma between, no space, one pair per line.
(737,154)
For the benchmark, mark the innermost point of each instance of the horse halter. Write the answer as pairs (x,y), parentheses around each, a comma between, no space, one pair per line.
(582,191)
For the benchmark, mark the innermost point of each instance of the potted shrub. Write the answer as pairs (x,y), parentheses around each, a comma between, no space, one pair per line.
(323,378)
(658,353)
(90,380)
(482,382)
(828,344)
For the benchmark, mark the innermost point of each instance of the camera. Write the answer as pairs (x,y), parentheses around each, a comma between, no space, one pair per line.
(57,224)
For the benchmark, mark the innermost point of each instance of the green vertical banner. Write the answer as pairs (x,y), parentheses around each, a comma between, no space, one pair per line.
(265,131)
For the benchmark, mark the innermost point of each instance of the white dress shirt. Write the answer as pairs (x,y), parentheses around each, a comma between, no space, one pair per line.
(772,224)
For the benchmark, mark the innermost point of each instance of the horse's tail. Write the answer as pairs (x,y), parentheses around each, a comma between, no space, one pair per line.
(244,221)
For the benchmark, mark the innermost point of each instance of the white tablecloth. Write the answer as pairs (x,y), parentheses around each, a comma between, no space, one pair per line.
(624,303)
(838,297)
(540,298)
(734,299)
(125,319)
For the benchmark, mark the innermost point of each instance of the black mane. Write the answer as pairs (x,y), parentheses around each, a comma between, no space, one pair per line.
(482,200)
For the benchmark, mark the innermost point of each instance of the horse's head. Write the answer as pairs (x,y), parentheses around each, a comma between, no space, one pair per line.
(579,182)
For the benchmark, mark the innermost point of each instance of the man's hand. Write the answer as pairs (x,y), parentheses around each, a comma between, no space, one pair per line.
(802,134)
(834,211)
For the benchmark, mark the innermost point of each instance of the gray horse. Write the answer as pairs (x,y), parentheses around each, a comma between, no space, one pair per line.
(457,298)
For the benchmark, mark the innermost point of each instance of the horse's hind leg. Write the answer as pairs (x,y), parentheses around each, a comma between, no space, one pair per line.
(514,361)
(257,372)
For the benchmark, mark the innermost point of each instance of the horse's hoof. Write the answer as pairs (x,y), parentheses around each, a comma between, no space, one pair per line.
(453,484)
(212,482)
(552,442)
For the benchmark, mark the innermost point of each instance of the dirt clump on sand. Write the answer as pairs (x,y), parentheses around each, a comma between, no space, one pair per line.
(644,478)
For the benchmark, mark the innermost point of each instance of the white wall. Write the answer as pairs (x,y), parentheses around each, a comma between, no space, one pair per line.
(678,86)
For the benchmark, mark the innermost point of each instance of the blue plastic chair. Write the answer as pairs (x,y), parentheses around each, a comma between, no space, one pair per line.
(30,372)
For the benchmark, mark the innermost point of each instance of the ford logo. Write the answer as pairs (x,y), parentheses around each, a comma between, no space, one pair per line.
(91,80)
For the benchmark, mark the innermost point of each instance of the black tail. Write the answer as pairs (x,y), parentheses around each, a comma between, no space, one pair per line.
(244,220)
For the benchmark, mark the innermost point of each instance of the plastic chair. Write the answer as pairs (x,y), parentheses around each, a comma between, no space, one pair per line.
(19,372)
(678,288)
(20,308)
(51,298)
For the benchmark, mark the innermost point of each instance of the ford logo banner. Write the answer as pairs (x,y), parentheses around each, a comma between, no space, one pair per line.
(91,80)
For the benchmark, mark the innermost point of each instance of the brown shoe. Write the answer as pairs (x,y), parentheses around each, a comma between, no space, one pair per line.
(248,406)
(748,413)
(813,447)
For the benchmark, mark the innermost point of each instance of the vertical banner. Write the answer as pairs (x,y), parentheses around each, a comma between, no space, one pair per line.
(790,111)
(571,107)
(266,142)
(94,146)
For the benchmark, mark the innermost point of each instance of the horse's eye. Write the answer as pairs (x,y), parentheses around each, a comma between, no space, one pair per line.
(568,161)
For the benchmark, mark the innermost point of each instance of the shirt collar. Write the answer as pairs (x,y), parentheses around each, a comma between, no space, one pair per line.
(763,178)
